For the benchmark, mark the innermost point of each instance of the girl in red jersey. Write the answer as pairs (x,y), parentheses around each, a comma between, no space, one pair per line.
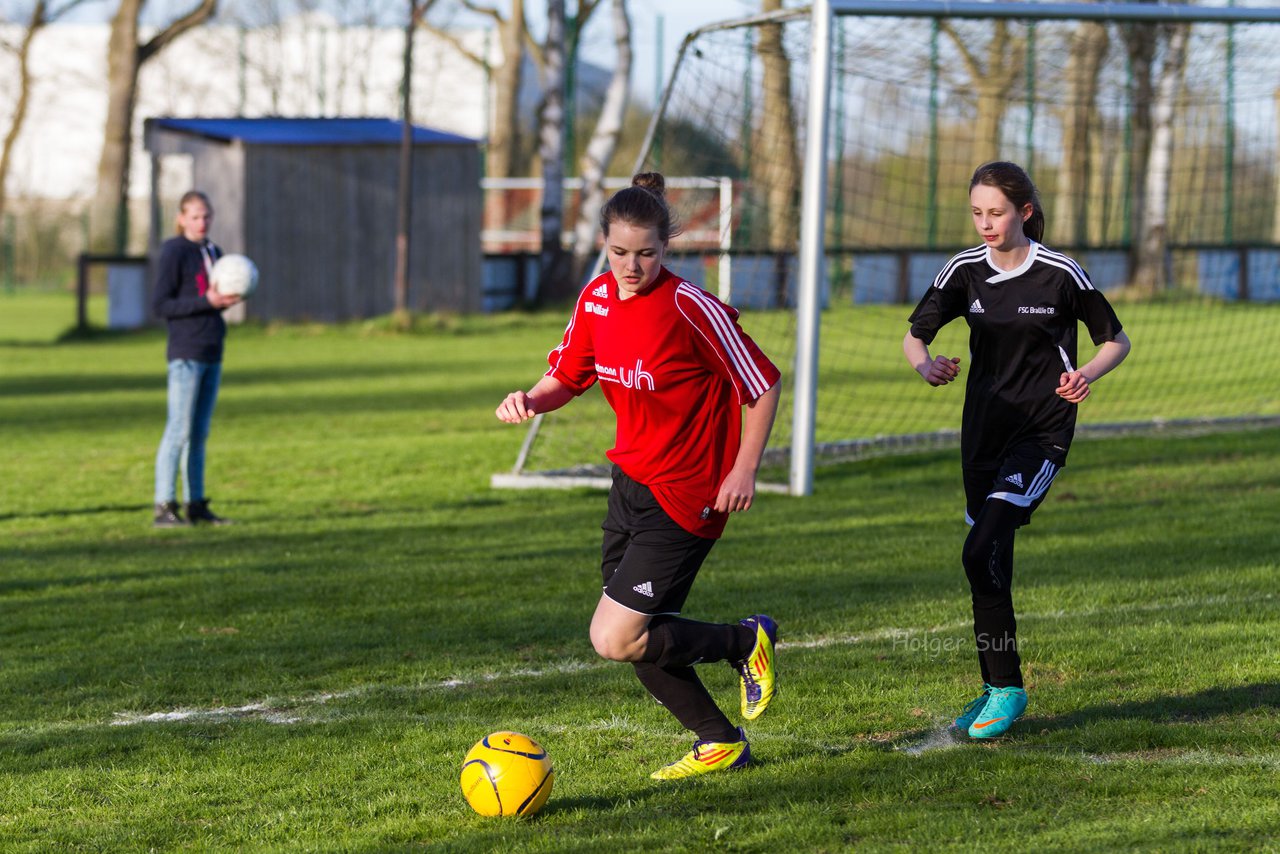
(1023,302)
(679,374)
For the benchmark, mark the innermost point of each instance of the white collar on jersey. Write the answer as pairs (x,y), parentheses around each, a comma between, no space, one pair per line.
(1002,275)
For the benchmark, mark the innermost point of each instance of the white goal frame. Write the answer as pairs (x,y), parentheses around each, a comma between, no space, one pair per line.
(811,250)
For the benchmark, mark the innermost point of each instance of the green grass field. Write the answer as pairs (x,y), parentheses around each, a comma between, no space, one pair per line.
(311,678)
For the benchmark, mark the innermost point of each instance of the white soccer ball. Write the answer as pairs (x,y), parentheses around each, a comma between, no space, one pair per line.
(235,275)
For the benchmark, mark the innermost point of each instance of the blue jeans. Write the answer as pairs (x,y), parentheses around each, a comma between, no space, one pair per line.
(193,390)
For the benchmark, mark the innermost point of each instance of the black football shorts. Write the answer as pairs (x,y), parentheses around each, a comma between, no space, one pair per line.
(648,562)
(1023,479)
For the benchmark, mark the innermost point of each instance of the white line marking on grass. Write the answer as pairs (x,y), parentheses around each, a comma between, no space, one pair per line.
(293,710)
(942,737)
(1198,758)
(821,641)
(565,667)
(251,711)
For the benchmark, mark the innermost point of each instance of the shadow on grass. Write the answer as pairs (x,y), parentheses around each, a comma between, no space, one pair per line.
(1170,709)
(67,512)
(1177,708)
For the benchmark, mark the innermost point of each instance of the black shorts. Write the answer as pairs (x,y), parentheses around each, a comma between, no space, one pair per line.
(1023,478)
(648,561)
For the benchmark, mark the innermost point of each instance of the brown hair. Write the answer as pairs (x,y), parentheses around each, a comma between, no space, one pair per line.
(1012,180)
(643,204)
(187,198)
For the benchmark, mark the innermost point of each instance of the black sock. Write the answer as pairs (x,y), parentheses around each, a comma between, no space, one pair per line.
(680,690)
(988,563)
(674,642)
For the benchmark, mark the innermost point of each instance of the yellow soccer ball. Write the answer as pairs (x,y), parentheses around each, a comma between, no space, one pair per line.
(507,773)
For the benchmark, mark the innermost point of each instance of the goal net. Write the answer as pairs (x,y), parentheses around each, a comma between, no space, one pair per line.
(1153,142)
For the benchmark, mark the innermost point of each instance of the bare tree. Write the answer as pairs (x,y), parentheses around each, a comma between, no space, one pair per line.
(503,146)
(41,15)
(1140,41)
(778,146)
(553,272)
(604,143)
(1152,272)
(404,208)
(992,81)
(108,219)
(1088,49)
(1275,225)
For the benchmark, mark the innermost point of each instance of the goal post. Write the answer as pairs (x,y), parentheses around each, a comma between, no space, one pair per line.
(1127,131)
(812,253)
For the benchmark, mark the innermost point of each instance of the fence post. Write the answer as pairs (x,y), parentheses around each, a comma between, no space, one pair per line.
(9,251)
(82,292)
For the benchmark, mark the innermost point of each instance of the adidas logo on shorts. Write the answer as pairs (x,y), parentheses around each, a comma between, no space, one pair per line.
(645,589)
(1015,479)
(602,291)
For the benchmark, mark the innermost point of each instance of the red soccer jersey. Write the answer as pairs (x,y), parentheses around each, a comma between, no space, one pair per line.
(677,369)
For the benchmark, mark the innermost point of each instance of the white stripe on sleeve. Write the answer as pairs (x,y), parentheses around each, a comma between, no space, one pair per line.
(729,336)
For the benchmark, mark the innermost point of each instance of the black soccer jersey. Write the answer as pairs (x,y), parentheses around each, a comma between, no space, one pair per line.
(1022,336)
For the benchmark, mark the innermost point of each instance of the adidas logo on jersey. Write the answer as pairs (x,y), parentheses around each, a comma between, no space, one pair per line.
(645,589)
(977,308)
(602,292)
(1015,479)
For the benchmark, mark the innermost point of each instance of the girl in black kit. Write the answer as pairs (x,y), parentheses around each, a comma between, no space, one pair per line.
(193,310)
(1022,301)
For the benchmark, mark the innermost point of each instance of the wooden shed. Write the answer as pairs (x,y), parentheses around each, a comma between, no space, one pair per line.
(314,203)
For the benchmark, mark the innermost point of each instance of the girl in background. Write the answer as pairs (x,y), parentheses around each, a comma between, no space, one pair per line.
(1022,302)
(193,311)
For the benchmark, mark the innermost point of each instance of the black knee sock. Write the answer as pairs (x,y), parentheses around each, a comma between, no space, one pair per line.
(674,642)
(680,690)
(988,563)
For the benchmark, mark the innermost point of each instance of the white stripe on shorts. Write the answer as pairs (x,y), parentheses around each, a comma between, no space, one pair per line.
(1039,486)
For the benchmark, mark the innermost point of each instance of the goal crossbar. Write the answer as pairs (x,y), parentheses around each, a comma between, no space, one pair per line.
(813,204)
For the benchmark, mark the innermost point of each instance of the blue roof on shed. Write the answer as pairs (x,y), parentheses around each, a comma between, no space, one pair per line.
(280,131)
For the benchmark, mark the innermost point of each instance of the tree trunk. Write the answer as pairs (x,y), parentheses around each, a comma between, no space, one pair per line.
(1140,43)
(404,192)
(1089,45)
(553,274)
(108,220)
(504,134)
(603,144)
(991,81)
(1275,224)
(107,225)
(778,166)
(1152,273)
(19,115)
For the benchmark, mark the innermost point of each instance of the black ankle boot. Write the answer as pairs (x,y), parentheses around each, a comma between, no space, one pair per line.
(199,513)
(168,516)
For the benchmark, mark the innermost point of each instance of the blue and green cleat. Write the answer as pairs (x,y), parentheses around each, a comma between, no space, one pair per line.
(1003,707)
(973,709)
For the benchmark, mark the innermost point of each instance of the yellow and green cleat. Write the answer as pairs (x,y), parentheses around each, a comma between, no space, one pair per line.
(708,756)
(757,670)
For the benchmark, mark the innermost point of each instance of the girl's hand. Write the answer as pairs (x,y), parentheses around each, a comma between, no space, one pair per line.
(515,408)
(217,299)
(737,492)
(940,371)
(1073,387)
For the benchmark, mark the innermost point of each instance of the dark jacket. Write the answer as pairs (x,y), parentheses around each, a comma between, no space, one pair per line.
(196,328)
